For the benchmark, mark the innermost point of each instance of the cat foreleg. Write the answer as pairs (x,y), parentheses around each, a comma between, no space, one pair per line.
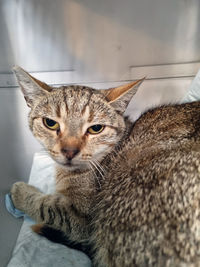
(49,209)
(55,210)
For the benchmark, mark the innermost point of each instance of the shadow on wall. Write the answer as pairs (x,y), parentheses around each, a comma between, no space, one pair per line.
(9,227)
(8,113)
(16,150)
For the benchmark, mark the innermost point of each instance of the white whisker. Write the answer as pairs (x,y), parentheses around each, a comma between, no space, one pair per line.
(93,167)
(99,167)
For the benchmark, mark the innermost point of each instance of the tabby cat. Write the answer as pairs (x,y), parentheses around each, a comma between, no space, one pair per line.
(131,189)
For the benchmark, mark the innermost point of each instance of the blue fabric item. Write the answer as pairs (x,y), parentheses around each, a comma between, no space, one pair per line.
(15,212)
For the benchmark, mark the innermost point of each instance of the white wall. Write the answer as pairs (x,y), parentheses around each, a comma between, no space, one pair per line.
(98,39)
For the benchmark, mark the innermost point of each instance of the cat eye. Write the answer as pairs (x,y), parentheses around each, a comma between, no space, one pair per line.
(51,124)
(95,129)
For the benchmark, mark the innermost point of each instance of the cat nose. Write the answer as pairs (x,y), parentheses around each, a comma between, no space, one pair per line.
(70,152)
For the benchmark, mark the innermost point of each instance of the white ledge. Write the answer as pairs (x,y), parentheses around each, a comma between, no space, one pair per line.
(151,72)
(180,70)
(50,77)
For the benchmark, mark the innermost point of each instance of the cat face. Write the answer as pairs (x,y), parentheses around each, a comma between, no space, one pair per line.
(77,125)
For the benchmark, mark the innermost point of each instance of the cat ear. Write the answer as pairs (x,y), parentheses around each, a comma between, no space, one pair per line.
(120,97)
(31,87)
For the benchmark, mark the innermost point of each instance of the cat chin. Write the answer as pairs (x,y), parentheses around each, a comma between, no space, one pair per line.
(73,166)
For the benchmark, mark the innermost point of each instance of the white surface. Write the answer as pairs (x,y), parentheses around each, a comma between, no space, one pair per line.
(165,70)
(31,250)
(193,92)
(42,173)
(71,76)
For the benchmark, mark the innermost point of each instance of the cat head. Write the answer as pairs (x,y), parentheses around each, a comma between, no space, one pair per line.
(77,125)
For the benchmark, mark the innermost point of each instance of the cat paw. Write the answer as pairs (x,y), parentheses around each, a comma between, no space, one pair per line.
(20,193)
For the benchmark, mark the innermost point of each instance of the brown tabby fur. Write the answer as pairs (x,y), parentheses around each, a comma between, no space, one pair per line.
(140,206)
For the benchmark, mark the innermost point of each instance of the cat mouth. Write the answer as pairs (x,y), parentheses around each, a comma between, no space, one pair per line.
(70,164)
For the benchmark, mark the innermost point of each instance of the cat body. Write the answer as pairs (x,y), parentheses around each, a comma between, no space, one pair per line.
(131,190)
(147,213)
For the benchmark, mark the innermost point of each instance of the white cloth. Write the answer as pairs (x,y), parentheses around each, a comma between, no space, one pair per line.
(193,93)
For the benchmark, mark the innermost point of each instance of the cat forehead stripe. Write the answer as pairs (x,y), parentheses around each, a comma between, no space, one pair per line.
(86,113)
